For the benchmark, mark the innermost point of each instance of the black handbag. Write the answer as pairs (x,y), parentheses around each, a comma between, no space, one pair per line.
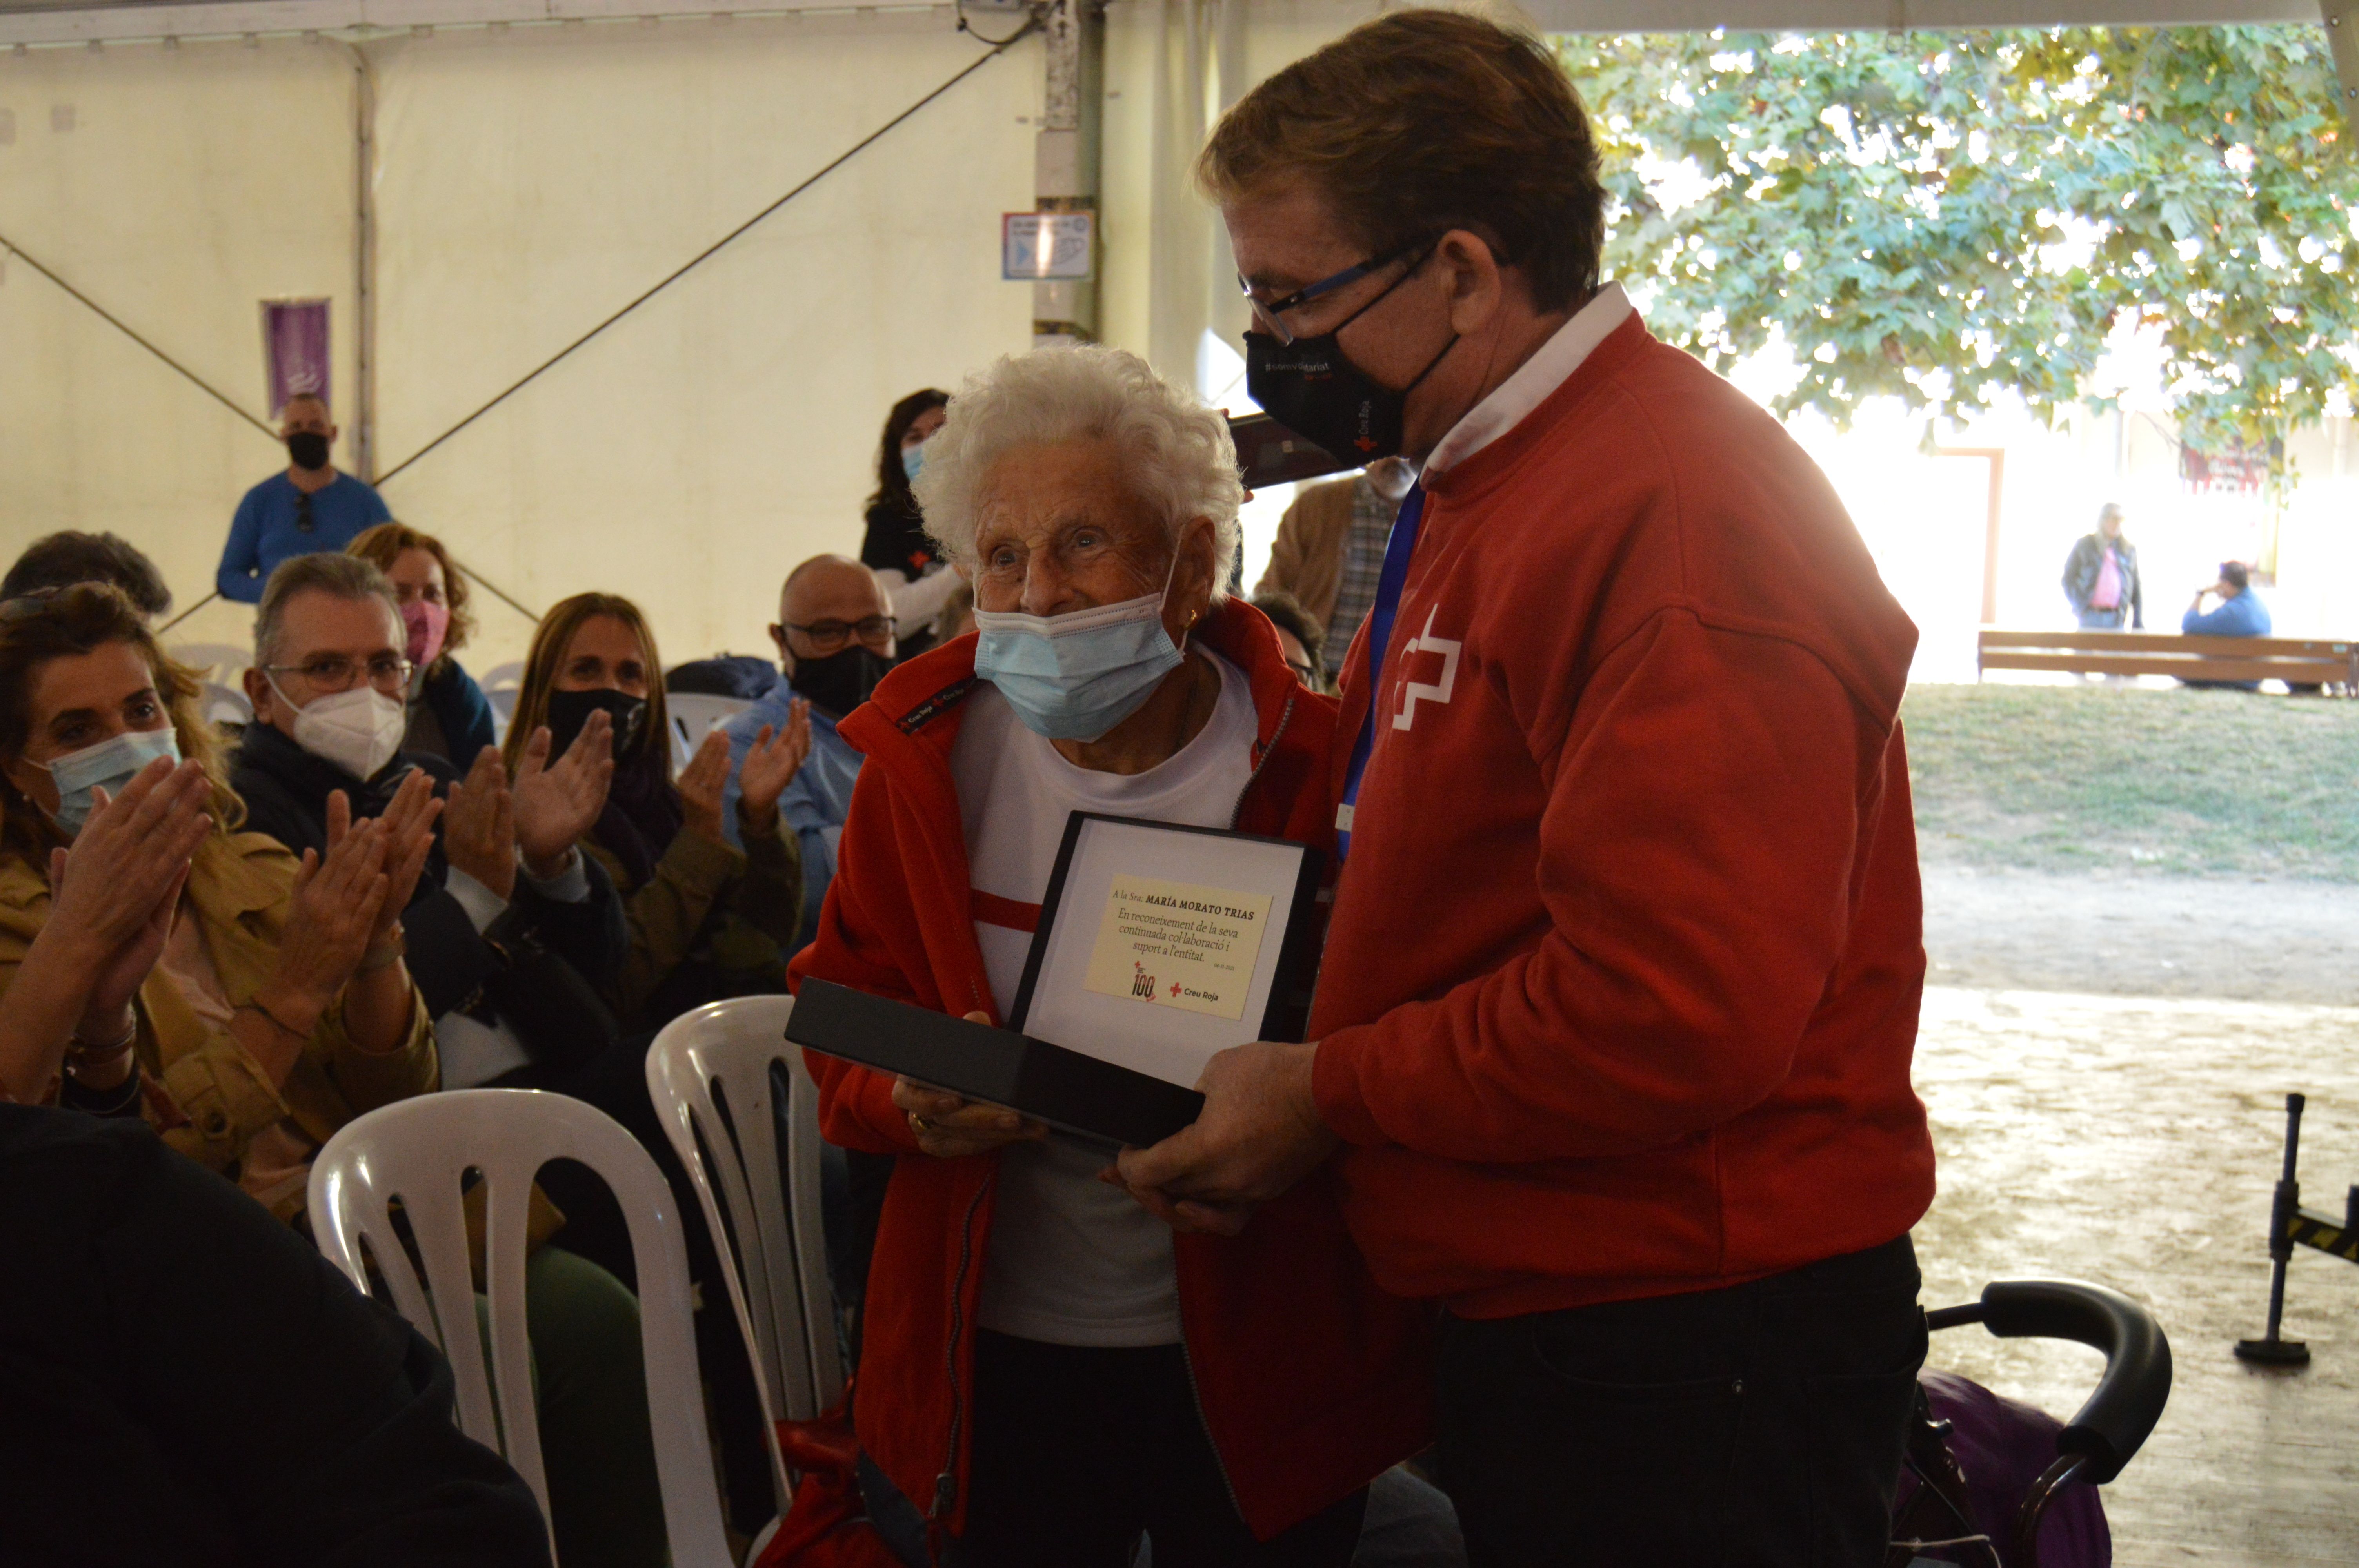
(560,1019)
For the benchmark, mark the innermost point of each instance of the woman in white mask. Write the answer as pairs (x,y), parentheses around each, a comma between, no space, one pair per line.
(1230,1397)
(268,1003)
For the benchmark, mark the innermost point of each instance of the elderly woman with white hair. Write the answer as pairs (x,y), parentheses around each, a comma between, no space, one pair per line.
(1047,1370)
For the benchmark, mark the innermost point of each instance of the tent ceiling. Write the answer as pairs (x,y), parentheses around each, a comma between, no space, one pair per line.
(79,21)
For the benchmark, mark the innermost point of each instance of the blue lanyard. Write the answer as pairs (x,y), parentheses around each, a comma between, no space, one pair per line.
(1398,548)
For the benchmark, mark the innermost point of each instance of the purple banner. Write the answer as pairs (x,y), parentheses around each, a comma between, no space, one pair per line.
(294,350)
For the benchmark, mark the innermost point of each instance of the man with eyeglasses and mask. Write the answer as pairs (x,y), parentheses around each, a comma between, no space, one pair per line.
(506,903)
(308,508)
(835,641)
(1610,1052)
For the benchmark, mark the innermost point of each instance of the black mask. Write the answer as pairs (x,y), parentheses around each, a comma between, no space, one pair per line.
(569,710)
(1311,388)
(309,448)
(841,681)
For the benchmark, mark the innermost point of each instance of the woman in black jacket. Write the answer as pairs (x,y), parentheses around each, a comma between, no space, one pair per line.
(916,574)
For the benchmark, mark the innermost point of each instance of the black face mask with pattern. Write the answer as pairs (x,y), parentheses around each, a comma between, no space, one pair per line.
(1308,386)
(569,710)
(841,681)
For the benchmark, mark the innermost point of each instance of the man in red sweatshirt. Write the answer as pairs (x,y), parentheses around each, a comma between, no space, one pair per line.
(1612,1042)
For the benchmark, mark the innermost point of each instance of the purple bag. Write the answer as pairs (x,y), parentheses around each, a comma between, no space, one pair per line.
(2000,1446)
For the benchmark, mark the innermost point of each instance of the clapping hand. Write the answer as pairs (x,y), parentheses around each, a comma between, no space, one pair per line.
(409,824)
(555,806)
(331,918)
(114,892)
(479,832)
(700,784)
(770,766)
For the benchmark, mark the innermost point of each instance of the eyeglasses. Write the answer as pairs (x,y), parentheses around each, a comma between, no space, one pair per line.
(303,522)
(830,636)
(1271,310)
(334,672)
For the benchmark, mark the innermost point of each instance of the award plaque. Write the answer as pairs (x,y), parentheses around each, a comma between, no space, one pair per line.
(1159,946)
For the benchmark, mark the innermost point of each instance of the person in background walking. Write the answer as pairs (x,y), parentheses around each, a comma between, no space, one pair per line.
(1330,547)
(896,547)
(2101,577)
(310,507)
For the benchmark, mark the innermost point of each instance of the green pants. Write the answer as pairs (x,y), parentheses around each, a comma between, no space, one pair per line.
(589,1386)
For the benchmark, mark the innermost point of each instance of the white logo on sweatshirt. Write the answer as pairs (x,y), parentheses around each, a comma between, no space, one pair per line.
(1426,642)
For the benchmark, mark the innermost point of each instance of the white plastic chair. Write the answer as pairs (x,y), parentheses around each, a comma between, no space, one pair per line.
(694,716)
(778,1278)
(226,704)
(502,685)
(416,1150)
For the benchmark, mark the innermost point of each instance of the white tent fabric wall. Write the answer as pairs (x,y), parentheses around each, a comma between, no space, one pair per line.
(1173,68)
(176,188)
(528,182)
(534,181)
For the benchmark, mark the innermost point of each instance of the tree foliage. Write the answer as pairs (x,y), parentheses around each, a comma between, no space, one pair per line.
(1949,217)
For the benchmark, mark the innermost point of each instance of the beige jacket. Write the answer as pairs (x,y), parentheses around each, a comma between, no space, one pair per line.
(214,1097)
(1307,561)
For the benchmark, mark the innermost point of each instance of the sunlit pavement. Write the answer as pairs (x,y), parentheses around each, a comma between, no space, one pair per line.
(2134,1142)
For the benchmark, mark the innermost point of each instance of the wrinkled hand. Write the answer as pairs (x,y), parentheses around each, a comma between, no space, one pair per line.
(331,919)
(408,824)
(556,806)
(700,785)
(954,1128)
(113,893)
(771,765)
(1258,1135)
(479,832)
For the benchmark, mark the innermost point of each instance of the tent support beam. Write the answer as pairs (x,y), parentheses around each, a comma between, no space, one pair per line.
(1066,155)
(363,444)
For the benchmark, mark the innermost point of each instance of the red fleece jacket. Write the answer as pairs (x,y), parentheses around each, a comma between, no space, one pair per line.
(1311,1379)
(1620,988)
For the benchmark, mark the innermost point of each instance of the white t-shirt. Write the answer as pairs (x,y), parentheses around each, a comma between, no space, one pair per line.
(1074,1261)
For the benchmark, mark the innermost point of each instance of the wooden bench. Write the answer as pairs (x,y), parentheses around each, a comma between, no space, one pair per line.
(2330,664)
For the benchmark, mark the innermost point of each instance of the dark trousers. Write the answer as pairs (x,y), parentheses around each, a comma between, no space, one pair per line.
(1077,1450)
(1760,1425)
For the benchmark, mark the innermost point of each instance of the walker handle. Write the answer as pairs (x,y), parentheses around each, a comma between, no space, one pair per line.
(2121,1414)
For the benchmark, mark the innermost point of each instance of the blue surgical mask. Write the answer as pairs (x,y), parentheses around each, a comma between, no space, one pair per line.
(1075,677)
(913,461)
(111,765)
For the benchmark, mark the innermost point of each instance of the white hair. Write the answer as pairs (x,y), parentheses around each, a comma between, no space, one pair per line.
(1176,453)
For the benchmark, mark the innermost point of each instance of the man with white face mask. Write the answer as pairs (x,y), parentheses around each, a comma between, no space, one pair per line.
(505,899)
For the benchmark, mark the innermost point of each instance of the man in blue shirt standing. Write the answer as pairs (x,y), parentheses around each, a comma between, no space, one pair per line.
(308,509)
(2240,613)
(834,638)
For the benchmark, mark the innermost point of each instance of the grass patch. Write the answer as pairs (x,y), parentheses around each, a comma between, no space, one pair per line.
(2075,779)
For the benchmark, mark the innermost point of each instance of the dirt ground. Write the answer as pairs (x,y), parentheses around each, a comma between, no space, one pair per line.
(2237,938)
(2106,1062)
